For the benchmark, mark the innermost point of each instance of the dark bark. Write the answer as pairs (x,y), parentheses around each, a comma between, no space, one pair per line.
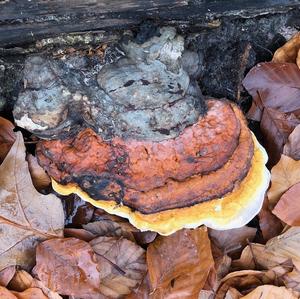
(24,22)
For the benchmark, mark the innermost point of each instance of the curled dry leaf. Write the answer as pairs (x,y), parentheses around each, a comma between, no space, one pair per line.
(269,224)
(6,275)
(5,293)
(271,292)
(286,245)
(7,137)
(115,226)
(179,264)
(287,208)
(143,290)
(241,280)
(40,178)
(292,280)
(284,174)
(26,216)
(78,212)
(31,293)
(122,265)
(233,293)
(292,147)
(68,266)
(234,240)
(275,86)
(79,233)
(109,228)
(289,52)
(50,294)
(276,127)
(256,256)
(21,281)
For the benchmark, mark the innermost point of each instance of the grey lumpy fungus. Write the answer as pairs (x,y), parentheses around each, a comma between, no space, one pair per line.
(148,92)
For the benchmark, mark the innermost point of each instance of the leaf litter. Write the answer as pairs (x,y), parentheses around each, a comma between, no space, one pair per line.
(89,254)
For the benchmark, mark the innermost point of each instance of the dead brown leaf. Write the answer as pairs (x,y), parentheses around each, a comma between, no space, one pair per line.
(6,275)
(256,256)
(79,233)
(179,264)
(26,216)
(31,293)
(68,266)
(286,245)
(40,178)
(5,293)
(21,281)
(284,174)
(142,291)
(269,224)
(273,85)
(287,208)
(122,265)
(232,241)
(292,147)
(7,137)
(270,292)
(78,211)
(233,293)
(50,294)
(110,228)
(276,126)
(244,280)
(289,51)
(292,280)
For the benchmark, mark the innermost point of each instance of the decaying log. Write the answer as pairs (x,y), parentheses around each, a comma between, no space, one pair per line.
(27,21)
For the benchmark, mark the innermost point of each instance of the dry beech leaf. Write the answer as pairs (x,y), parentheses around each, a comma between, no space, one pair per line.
(26,216)
(7,137)
(146,237)
(270,292)
(284,174)
(109,228)
(292,147)
(276,127)
(31,293)
(232,240)
(273,85)
(287,208)
(79,233)
(241,280)
(122,265)
(5,293)
(206,294)
(50,294)
(40,178)
(68,267)
(269,224)
(257,256)
(289,51)
(286,245)
(78,211)
(179,264)
(233,293)
(292,280)
(6,275)
(21,281)
(142,291)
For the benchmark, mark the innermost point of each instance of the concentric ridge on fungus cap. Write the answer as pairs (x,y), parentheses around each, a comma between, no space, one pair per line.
(143,144)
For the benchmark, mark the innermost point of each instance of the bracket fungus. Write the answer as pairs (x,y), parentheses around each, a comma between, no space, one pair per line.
(140,141)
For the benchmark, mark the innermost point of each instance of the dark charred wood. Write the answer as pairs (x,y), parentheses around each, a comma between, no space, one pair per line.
(25,22)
